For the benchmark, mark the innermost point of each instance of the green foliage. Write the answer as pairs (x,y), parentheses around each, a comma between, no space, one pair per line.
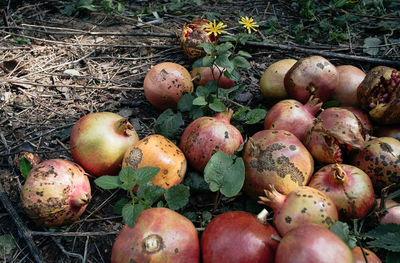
(386,236)
(168,123)
(342,230)
(146,195)
(24,167)
(7,245)
(249,116)
(86,6)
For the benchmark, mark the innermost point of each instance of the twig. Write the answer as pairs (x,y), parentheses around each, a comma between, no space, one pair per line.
(326,53)
(5,20)
(86,250)
(69,254)
(73,234)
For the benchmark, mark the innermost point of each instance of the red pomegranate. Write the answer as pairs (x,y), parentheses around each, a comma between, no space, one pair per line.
(391,212)
(349,79)
(201,76)
(358,255)
(363,119)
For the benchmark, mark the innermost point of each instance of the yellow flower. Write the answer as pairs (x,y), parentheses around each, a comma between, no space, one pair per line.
(214,28)
(248,23)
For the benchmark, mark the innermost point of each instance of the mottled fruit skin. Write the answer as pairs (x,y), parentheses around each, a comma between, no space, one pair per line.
(194,34)
(208,135)
(201,76)
(56,192)
(238,237)
(313,75)
(379,94)
(388,131)
(99,140)
(349,188)
(291,115)
(335,131)
(165,84)
(157,151)
(160,235)
(275,157)
(363,118)
(359,257)
(391,215)
(349,79)
(305,205)
(271,82)
(380,159)
(312,244)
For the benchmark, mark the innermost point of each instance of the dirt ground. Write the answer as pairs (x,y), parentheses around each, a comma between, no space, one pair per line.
(54,69)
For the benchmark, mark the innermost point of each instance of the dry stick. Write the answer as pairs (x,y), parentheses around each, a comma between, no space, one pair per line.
(69,254)
(326,53)
(73,234)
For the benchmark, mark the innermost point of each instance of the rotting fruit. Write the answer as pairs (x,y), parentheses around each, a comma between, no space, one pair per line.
(157,151)
(56,192)
(165,84)
(160,235)
(99,141)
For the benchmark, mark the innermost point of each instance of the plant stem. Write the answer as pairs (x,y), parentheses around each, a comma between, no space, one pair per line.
(216,201)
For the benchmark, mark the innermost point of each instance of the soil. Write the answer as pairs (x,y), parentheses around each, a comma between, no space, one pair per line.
(54,69)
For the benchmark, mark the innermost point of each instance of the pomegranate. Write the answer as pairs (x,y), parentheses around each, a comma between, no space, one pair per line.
(275,157)
(194,34)
(379,94)
(391,212)
(349,188)
(165,84)
(99,140)
(358,255)
(271,82)
(290,115)
(313,75)
(336,131)
(240,237)
(201,76)
(56,192)
(160,235)
(312,244)
(388,131)
(208,135)
(303,205)
(380,159)
(362,118)
(157,151)
(349,79)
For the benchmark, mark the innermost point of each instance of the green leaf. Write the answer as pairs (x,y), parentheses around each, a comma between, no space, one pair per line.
(196,182)
(225,173)
(208,47)
(119,205)
(244,54)
(217,105)
(241,62)
(206,217)
(185,103)
(202,91)
(7,245)
(223,47)
(233,75)
(199,101)
(168,123)
(68,9)
(126,176)
(152,193)
(196,113)
(131,212)
(120,8)
(255,115)
(177,196)
(369,44)
(240,114)
(393,257)
(145,174)
(342,230)
(206,61)
(24,167)
(212,86)
(386,236)
(108,182)
(228,38)
(107,6)
(86,4)
(223,61)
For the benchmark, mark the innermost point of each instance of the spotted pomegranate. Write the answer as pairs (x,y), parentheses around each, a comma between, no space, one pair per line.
(362,118)
(335,132)
(305,205)
(312,244)
(56,192)
(160,235)
(380,159)
(291,115)
(349,188)
(370,256)
(201,76)
(238,237)
(275,157)
(313,75)
(379,94)
(194,34)
(349,79)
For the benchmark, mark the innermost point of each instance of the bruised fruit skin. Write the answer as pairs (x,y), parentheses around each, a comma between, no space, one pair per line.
(99,140)
(312,244)
(305,205)
(359,256)
(380,159)
(349,188)
(275,157)
(165,84)
(194,34)
(238,237)
(160,235)
(349,79)
(363,119)
(379,94)
(157,151)
(56,192)
(208,135)
(201,76)
(391,214)
(335,132)
(313,75)
(271,82)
